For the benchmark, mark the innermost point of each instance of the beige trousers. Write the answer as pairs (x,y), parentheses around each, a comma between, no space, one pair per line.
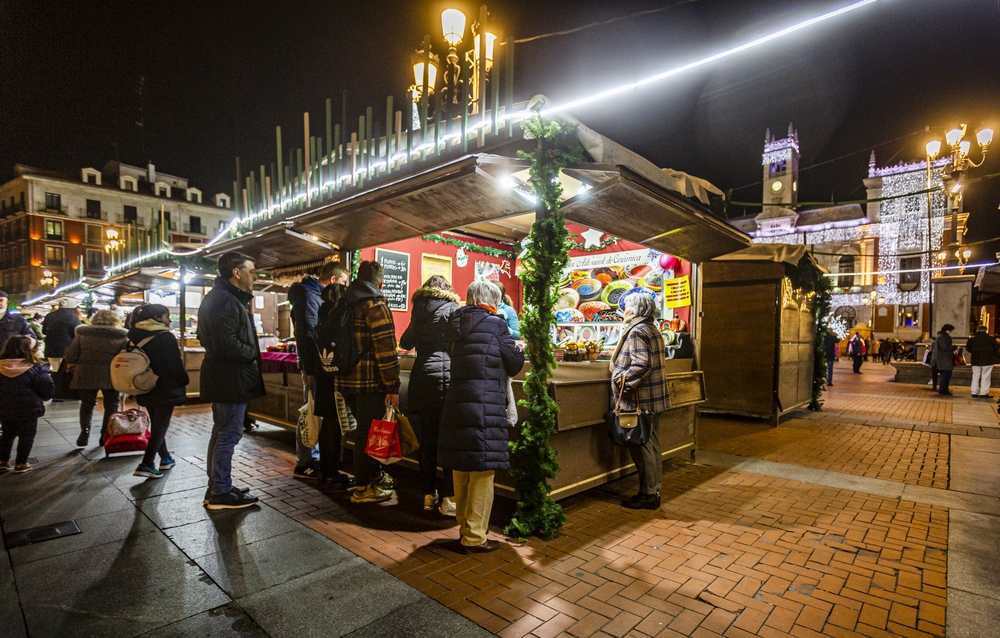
(473,504)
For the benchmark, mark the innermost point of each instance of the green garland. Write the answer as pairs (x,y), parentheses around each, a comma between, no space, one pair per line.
(469,246)
(807,276)
(573,245)
(355,264)
(532,460)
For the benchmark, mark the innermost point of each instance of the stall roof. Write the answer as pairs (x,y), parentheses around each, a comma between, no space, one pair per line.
(147,278)
(625,195)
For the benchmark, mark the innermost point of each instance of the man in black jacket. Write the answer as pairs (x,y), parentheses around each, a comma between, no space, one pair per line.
(230,373)
(305,299)
(13,324)
(830,342)
(984,350)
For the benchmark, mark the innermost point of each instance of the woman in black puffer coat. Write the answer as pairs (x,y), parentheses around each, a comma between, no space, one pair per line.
(153,322)
(433,305)
(474,429)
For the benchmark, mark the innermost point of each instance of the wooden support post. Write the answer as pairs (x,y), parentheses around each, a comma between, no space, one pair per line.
(481,98)
(388,134)
(369,146)
(281,175)
(509,84)
(465,109)
(399,133)
(305,119)
(437,123)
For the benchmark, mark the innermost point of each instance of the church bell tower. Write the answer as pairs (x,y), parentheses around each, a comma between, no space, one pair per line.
(781,169)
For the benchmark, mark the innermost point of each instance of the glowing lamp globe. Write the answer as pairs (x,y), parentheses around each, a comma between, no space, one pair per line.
(954,136)
(666,261)
(490,42)
(984,136)
(453,26)
(418,73)
(933,148)
(964,146)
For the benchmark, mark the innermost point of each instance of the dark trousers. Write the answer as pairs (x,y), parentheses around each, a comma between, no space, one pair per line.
(159,421)
(934,377)
(829,372)
(365,408)
(857,363)
(648,460)
(945,379)
(88,401)
(429,425)
(24,431)
(330,441)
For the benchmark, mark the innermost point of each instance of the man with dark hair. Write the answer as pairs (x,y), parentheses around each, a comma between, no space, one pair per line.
(374,382)
(230,373)
(305,299)
(13,324)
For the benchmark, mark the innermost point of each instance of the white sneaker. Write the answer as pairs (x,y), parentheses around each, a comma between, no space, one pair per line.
(447,507)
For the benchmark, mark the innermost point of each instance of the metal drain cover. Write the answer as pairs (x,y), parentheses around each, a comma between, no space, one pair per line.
(39,534)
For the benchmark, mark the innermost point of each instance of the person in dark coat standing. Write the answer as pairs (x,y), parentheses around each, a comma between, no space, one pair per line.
(230,372)
(152,325)
(856,348)
(830,342)
(305,298)
(474,436)
(984,351)
(89,357)
(330,406)
(944,358)
(25,386)
(13,324)
(433,305)
(60,328)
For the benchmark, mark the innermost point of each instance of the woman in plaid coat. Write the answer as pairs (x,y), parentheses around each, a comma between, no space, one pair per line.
(638,360)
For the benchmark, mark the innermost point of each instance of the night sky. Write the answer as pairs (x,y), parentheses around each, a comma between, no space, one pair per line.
(210,80)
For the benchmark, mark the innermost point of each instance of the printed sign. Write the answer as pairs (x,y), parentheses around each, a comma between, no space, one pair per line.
(677,292)
(625,259)
(396,281)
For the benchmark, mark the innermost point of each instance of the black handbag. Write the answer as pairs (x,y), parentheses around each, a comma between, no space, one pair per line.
(627,429)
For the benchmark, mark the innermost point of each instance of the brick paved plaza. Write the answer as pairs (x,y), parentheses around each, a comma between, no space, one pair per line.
(876,517)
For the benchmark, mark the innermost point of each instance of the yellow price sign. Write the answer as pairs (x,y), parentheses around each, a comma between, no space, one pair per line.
(677,292)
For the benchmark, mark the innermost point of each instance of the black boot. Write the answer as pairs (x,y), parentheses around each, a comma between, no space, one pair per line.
(643,502)
(81,441)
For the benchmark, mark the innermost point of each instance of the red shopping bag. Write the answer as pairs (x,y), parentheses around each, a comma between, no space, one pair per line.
(383,439)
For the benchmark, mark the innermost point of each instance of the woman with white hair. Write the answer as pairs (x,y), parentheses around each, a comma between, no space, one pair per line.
(473,440)
(637,375)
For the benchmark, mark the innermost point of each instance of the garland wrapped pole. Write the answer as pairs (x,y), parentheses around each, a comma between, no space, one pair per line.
(533,461)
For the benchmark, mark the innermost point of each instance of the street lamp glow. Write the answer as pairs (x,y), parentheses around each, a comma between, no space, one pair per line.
(418,75)
(954,136)
(490,41)
(933,148)
(453,26)
(964,146)
(984,136)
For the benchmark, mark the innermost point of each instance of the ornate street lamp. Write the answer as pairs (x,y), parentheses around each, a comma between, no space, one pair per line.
(48,279)
(113,245)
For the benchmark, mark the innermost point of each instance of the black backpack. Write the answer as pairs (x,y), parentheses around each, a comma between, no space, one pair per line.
(338,350)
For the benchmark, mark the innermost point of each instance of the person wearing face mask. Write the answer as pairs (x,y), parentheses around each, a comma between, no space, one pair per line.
(230,373)
(637,376)
(153,322)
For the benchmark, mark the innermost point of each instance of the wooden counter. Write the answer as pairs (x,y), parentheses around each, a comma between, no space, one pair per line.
(583,392)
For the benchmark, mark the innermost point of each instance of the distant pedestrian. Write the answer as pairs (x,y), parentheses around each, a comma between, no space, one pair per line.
(153,323)
(88,359)
(944,357)
(886,351)
(304,296)
(230,373)
(985,352)
(830,341)
(875,349)
(60,328)
(13,324)
(856,349)
(374,382)
(473,441)
(433,305)
(25,386)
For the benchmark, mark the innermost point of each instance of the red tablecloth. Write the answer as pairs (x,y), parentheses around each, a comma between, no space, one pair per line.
(272,362)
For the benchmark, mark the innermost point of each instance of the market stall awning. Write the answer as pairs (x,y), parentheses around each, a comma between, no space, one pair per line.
(278,245)
(148,278)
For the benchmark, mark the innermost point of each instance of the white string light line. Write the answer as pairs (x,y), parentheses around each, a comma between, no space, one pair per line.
(702,62)
(896,272)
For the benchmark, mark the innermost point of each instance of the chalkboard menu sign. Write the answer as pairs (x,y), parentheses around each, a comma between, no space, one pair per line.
(395,285)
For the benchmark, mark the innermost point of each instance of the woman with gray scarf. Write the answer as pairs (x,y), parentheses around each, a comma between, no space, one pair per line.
(638,361)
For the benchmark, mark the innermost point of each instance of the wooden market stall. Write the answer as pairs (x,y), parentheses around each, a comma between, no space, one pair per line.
(758,333)
(476,196)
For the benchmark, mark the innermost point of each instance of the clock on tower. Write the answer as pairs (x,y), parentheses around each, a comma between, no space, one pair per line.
(781,169)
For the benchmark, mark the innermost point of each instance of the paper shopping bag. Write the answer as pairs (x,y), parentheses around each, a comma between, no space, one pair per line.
(383,439)
(309,424)
(407,437)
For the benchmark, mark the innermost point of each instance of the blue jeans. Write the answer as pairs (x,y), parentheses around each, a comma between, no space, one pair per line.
(944,379)
(227,430)
(829,372)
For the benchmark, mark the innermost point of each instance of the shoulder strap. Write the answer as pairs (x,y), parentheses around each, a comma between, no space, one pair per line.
(146,340)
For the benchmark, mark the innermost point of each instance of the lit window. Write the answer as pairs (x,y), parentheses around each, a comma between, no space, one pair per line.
(53,229)
(54,256)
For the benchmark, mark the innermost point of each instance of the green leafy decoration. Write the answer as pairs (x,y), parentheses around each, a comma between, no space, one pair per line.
(469,247)
(808,277)
(532,460)
(574,245)
(355,264)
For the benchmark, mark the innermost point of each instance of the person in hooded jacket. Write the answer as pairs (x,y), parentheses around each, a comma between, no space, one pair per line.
(153,323)
(90,354)
(473,441)
(13,324)
(944,357)
(305,299)
(25,386)
(60,328)
(433,305)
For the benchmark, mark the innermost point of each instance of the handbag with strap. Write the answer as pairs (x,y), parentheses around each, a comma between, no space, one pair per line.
(627,429)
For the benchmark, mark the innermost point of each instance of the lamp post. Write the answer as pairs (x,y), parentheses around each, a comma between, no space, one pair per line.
(48,279)
(113,245)
(871,300)
(954,180)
